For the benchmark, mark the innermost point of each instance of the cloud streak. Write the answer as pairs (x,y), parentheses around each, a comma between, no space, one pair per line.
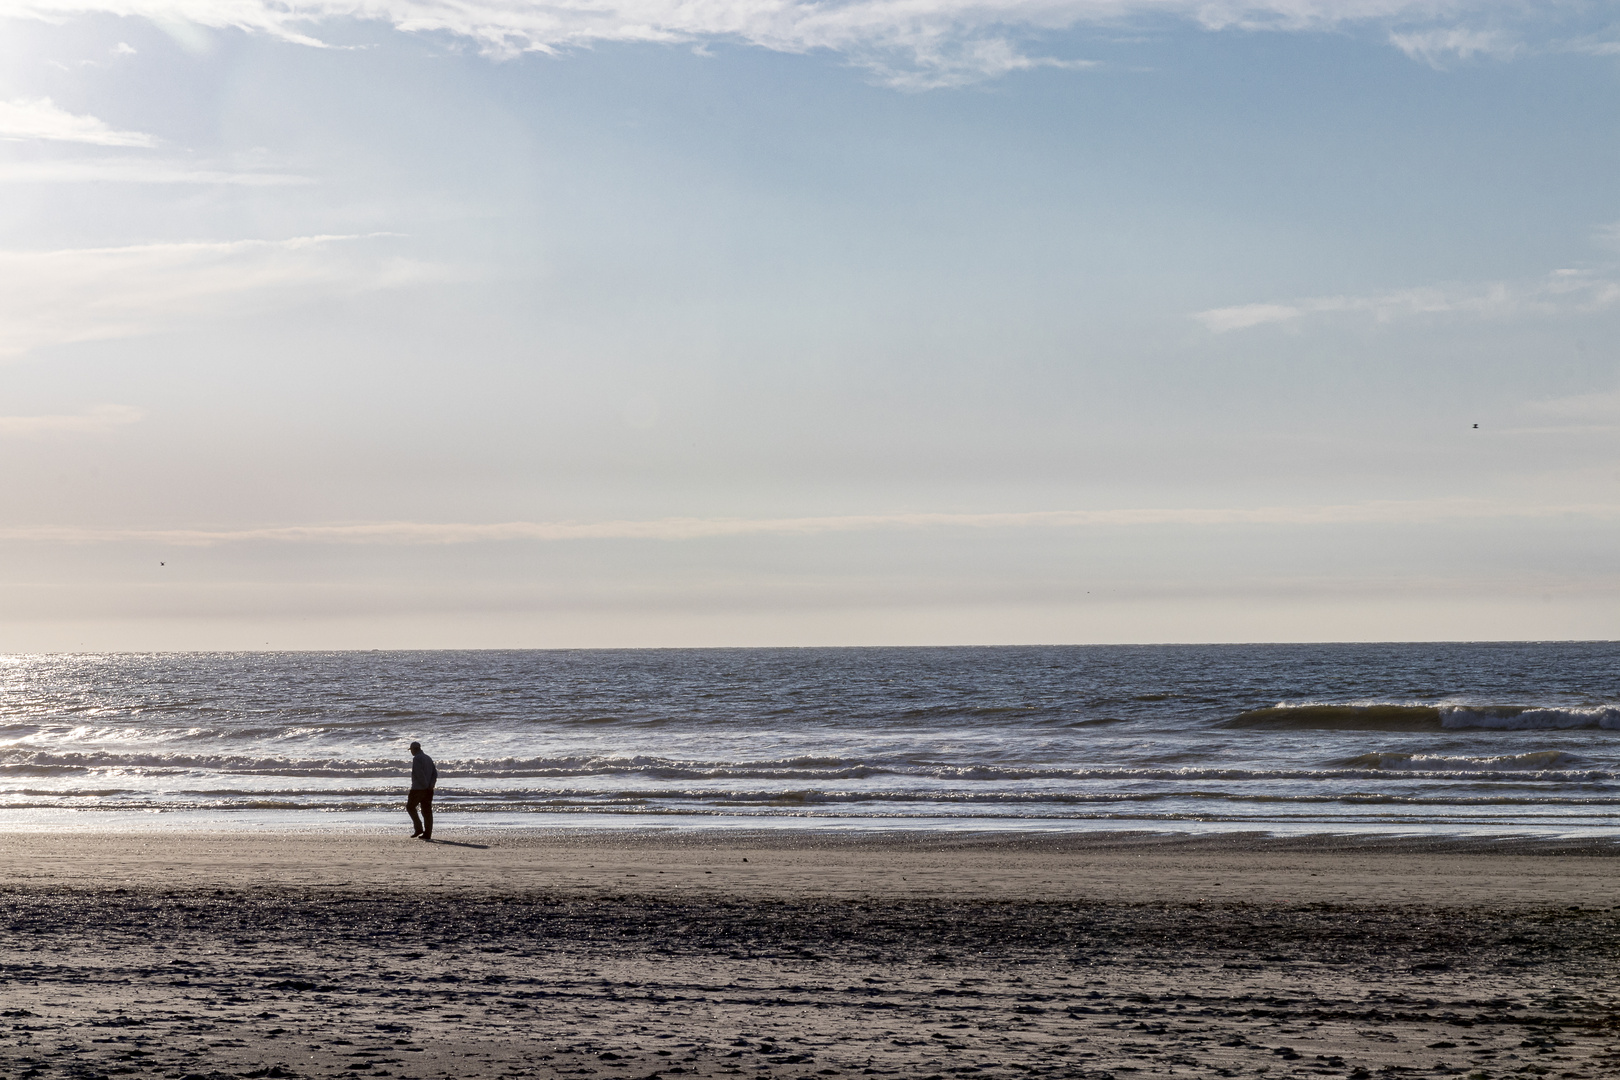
(1564,292)
(41,119)
(915,43)
(90,294)
(128,170)
(1436,47)
(97,419)
(691,528)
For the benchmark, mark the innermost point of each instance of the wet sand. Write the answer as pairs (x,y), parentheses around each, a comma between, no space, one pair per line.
(796,954)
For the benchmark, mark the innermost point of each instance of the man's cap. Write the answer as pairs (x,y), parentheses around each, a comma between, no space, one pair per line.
(416,746)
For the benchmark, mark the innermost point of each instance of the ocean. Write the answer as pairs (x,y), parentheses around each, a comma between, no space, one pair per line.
(1519,739)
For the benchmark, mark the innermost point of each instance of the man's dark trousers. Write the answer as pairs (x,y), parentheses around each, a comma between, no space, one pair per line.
(422,797)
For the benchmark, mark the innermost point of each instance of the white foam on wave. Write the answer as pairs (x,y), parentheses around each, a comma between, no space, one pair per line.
(1539,761)
(1529,719)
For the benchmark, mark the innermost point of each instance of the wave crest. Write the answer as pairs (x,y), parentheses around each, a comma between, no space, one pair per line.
(1382,716)
(1513,718)
(1534,761)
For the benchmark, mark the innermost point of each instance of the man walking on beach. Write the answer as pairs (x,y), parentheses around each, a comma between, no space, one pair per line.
(424,775)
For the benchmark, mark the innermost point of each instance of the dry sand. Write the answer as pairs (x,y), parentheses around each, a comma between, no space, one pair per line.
(799,954)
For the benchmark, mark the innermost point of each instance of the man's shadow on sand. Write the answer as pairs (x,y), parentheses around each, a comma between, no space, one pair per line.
(457,843)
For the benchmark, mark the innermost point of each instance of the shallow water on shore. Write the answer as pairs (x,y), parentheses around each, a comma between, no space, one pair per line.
(1514,738)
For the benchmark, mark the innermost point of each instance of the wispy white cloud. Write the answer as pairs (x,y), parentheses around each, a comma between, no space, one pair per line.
(907,42)
(1595,46)
(1242,316)
(131,170)
(688,528)
(1562,292)
(1437,46)
(89,294)
(98,419)
(40,118)
(960,64)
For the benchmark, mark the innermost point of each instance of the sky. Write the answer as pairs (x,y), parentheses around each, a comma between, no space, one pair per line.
(409,324)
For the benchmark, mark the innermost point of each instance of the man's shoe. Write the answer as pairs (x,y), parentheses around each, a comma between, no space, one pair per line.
(415,834)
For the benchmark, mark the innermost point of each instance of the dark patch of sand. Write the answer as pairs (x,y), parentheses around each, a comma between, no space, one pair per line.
(279,981)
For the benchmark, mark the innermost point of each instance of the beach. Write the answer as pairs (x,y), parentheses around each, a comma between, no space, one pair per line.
(798,953)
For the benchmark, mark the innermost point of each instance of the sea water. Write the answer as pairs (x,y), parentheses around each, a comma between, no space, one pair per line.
(1515,739)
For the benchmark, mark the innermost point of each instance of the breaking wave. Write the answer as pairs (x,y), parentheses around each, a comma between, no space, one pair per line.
(1536,761)
(888,802)
(1511,718)
(932,776)
(1381,716)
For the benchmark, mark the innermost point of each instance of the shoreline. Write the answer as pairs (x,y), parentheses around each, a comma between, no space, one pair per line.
(1102,866)
(681,827)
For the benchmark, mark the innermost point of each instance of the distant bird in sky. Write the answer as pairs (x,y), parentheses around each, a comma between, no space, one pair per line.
(1476,425)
